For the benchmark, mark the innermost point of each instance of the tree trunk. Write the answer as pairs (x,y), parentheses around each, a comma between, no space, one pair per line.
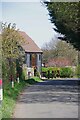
(78,57)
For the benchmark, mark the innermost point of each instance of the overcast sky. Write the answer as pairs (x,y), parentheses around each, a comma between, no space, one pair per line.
(31,17)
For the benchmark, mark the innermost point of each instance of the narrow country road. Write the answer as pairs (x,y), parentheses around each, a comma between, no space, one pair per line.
(49,99)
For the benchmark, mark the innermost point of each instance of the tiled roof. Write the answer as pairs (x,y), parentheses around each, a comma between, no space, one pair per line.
(29,45)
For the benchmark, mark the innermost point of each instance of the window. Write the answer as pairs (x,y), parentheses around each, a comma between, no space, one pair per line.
(39,57)
(30,57)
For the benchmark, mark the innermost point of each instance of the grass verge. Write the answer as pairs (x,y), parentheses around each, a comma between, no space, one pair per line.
(33,80)
(10,96)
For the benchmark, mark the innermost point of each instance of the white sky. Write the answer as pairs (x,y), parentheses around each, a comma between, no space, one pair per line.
(23,0)
(30,17)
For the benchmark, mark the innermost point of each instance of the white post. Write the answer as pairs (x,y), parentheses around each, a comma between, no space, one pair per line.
(12,84)
(18,79)
(1,91)
(1,94)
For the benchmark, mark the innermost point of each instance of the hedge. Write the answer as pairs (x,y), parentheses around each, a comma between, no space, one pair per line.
(53,72)
(66,72)
(78,71)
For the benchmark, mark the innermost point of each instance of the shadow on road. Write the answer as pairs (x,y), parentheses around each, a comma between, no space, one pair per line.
(51,91)
(60,82)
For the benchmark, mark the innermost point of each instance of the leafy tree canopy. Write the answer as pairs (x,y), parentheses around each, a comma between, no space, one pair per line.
(11,42)
(60,50)
(65,16)
(13,55)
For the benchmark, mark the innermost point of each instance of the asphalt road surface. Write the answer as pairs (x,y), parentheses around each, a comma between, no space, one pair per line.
(49,99)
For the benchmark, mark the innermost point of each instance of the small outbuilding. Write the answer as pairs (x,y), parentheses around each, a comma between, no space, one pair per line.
(33,54)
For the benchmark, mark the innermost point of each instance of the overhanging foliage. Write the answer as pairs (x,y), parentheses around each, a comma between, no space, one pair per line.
(65,16)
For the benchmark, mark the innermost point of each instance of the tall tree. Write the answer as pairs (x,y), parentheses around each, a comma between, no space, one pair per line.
(11,48)
(66,50)
(11,42)
(62,50)
(66,17)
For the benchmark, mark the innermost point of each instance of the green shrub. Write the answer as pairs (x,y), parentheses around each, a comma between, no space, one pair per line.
(44,69)
(50,74)
(65,72)
(23,75)
(57,72)
(5,72)
(38,74)
(78,71)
